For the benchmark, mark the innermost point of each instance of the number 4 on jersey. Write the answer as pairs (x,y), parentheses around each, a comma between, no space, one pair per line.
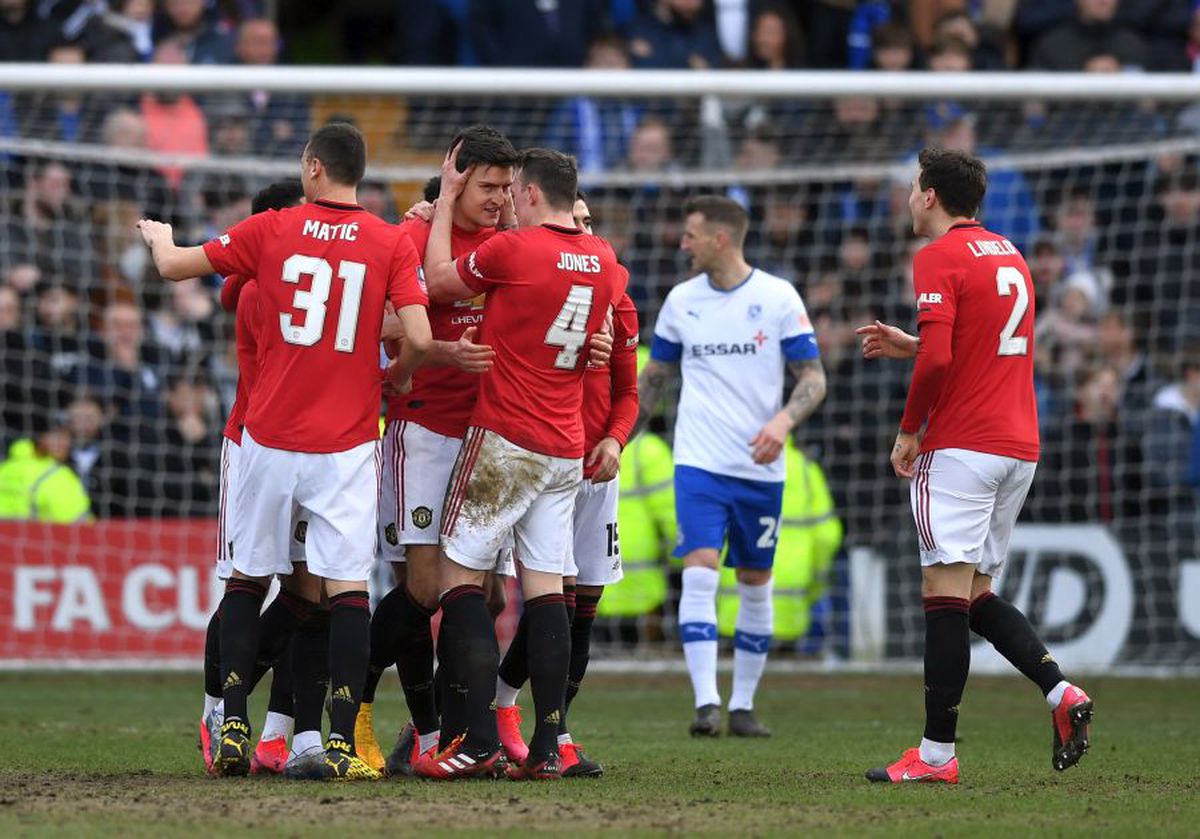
(569,329)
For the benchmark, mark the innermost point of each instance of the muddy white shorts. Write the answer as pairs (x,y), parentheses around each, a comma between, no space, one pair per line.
(337,493)
(230,463)
(966,504)
(501,494)
(597,551)
(416,469)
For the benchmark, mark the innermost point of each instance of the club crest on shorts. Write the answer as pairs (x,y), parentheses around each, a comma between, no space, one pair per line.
(301,531)
(422,517)
(755,312)
(389,533)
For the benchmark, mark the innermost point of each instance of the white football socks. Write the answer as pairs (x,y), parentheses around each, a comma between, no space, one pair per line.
(751,642)
(564,739)
(506,694)
(277,725)
(425,742)
(305,741)
(210,702)
(1056,693)
(698,631)
(936,754)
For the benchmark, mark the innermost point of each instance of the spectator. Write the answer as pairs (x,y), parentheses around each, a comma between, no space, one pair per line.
(100,460)
(46,227)
(891,47)
(124,371)
(597,130)
(280,121)
(107,37)
(376,198)
(1093,31)
(35,485)
(867,15)
(987,47)
(950,55)
(203,39)
(124,131)
(56,336)
(828,27)
(184,326)
(776,42)
(650,147)
(134,18)
(431,34)
(185,463)
(1066,330)
(1117,348)
(1174,415)
(674,35)
(1091,462)
(14,365)
(1048,270)
(24,35)
(1076,231)
(67,116)
(229,128)
(174,122)
(551,33)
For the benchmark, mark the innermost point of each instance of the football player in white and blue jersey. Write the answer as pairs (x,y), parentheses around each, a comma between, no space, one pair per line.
(730,331)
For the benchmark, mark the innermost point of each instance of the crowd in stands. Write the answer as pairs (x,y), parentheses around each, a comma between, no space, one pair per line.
(139,373)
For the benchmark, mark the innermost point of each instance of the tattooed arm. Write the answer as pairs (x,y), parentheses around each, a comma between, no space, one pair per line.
(806,396)
(652,384)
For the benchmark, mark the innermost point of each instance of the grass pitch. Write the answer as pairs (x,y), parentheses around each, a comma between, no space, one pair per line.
(116,754)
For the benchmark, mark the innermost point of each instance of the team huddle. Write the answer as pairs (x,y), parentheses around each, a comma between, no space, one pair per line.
(509,347)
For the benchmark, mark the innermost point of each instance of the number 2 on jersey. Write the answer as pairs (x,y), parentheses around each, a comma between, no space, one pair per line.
(1008,278)
(312,302)
(569,329)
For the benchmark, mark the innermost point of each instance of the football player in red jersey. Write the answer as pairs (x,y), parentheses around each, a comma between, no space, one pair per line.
(972,392)
(424,432)
(311,434)
(549,288)
(610,408)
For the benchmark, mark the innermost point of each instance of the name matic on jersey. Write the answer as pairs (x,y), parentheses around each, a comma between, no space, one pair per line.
(328,232)
(989,247)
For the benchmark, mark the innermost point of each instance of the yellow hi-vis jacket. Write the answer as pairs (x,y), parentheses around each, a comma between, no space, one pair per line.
(646,528)
(36,487)
(809,537)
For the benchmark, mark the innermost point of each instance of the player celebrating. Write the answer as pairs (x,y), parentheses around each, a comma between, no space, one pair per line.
(610,407)
(311,430)
(730,331)
(972,390)
(423,436)
(549,287)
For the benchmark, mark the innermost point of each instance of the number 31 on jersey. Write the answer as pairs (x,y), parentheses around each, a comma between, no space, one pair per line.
(312,302)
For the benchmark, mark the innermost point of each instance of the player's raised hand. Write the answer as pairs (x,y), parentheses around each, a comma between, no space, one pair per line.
(600,347)
(155,231)
(606,458)
(904,454)
(880,340)
(469,356)
(453,181)
(422,210)
(768,443)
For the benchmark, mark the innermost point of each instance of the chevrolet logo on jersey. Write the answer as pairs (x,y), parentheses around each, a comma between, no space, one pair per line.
(702,350)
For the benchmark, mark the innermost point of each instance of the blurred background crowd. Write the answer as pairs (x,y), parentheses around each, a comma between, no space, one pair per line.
(127,379)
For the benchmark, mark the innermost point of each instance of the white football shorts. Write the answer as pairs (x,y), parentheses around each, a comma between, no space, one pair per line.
(230,463)
(597,554)
(500,495)
(416,469)
(966,504)
(337,493)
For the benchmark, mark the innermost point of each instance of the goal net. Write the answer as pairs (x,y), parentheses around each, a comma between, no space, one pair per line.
(125,381)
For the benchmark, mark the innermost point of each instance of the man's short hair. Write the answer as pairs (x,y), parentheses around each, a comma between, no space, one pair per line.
(555,173)
(432,189)
(277,196)
(342,151)
(482,145)
(958,178)
(717,209)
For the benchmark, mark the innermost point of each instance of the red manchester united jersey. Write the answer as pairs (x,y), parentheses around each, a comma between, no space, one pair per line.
(241,295)
(978,283)
(610,394)
(442,398)
(549,289)
(323,270)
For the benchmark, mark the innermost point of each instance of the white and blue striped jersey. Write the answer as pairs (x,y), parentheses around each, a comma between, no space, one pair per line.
(732,347)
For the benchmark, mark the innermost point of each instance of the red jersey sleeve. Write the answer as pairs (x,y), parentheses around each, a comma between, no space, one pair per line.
(488,265)
(929,374)
(231,291)
(406,282)
(624,410)
(236,250)
(934,280)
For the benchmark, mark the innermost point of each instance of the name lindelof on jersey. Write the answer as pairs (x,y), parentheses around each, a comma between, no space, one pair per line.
(991,247)
(578,262)
(328,232)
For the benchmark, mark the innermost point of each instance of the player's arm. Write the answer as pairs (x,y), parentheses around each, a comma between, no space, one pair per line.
(464,353)
(417,342)
(652,385)
(441,272)
(623,410)
(173,262)
(805,398)
(881,340)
